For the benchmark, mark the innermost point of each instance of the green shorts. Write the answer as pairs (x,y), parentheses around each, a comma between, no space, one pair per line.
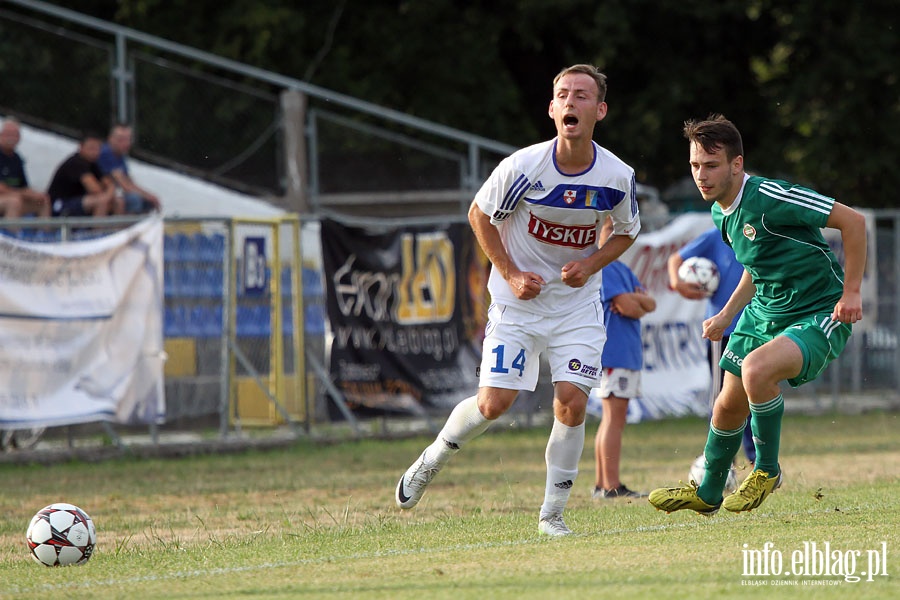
(820,339)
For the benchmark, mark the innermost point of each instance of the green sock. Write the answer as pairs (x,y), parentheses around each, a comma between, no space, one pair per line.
(721,447)
(765,422)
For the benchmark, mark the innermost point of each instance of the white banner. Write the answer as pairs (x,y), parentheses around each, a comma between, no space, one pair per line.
(676,378)
(81,329)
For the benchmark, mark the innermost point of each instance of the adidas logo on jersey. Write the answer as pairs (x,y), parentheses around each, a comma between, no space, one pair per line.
(538,186)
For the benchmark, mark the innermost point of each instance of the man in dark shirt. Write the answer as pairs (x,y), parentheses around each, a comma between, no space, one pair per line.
(79,189)
(16,198)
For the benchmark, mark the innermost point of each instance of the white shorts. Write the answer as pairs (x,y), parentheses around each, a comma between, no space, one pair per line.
(514,340)
(621,383)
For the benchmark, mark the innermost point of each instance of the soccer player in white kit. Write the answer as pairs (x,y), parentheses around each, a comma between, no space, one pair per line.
(538,218)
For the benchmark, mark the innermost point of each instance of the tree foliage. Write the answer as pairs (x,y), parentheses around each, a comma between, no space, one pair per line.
(813,85)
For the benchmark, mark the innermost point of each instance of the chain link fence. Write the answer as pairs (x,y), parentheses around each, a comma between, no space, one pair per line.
(236,288)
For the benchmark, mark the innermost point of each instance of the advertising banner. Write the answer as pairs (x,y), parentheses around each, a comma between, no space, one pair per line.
(405,335)
(676,378)
(407,308)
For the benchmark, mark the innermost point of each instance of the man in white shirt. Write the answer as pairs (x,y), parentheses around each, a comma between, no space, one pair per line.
(538,218)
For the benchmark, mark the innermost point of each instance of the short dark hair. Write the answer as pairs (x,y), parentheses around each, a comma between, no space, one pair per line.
(715,133)
(590,70)
(90,135)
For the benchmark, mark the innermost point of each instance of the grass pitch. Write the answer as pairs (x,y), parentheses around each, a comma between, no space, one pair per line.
(320,522)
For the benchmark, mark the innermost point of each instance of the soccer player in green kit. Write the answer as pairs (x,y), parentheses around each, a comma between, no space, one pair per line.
(801,307)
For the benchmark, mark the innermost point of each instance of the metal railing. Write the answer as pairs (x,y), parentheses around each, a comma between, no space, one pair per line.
(139,64)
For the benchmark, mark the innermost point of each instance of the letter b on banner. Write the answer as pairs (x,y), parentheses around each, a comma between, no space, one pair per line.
(254,266)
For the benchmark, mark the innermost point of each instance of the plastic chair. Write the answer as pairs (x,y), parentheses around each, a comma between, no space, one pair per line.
(208,282)
(170,247)
(188,282)
(286,282)
(287,319)
(219,281)
(185,247)
(171,281)
(312,283)
(216,323)
(174,321)
(314,319)
(253,320)
(245,325)
(210,248)
(195,322)
(262,324)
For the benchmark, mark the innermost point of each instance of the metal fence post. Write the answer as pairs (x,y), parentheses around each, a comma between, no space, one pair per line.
(228,325)
(896,256)
(122,76)
(293,124)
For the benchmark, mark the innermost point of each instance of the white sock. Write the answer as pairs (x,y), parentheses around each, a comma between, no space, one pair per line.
(564,450)
(464,423)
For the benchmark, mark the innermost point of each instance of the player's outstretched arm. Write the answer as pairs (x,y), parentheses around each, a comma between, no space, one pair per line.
(852,226)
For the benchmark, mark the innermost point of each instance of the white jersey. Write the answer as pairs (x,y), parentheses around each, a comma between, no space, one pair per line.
(547,219)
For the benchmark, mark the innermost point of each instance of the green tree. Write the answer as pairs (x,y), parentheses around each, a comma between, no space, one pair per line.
(811,84)
(831,80)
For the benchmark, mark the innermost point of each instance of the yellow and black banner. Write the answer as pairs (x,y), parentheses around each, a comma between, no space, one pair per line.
(406,306)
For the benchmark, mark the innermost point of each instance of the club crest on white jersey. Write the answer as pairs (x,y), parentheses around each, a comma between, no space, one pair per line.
(547,219)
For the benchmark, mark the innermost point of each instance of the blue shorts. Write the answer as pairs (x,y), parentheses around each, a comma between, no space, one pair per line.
(69,207)
(136,205)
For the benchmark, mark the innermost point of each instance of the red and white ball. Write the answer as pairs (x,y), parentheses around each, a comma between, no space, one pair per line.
(701,271)
(60,535)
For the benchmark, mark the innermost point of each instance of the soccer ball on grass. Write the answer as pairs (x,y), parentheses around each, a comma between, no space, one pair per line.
(700,271)
(698,470)
(60,535)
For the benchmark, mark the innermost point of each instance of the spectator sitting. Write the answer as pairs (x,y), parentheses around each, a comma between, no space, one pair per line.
(16,198)
(78,189)
(112,164)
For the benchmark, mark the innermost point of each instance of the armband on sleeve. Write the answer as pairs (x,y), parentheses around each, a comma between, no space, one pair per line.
(499,216)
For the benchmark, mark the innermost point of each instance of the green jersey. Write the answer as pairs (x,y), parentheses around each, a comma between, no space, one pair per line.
(775,229)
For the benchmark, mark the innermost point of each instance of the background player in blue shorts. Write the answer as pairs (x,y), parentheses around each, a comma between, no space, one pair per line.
(625,301)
